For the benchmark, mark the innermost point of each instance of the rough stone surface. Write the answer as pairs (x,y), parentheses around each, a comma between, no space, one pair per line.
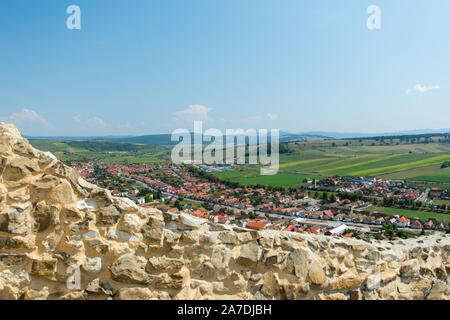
(52,221)
(130,269)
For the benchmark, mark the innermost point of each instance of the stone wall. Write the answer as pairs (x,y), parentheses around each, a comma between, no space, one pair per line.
(54,225)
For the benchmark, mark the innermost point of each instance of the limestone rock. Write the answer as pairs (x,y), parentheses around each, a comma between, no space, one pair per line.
(20,167)
(153,229)
(99,246)
(5,144)
(46,182)
(13,284)
(16,243)
(297,262)
(20,195)
(165,264)
(228,237)
(60,169)
(175,281)
(130,269)
(271,286)
(191,221)
(41,294)
(119,249)
(44,267)
(61,194)
(125,205)
(220,257)
(170,237)
(249,254)
(189,237)
(18,222)
(13,260)
(347,281)
(120,235)
(438,291)
(131,223)
(135,294)
(45,216)
(76,295)
(109,215)
(410,269)
(87,205)
(93,265)
(316,273)
(100,286)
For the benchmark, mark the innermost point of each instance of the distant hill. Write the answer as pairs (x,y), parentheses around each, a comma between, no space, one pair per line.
(86,146)
(165,139)
(348,135)
(154,139)
(71,138)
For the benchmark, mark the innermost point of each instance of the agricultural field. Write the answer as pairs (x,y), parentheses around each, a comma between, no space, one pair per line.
(106,152)
(442,202)
(410,213)
(246,177)
(442,175)
(421,162)
(403,161)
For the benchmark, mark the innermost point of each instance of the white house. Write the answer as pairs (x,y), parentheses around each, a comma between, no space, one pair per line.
(339,230)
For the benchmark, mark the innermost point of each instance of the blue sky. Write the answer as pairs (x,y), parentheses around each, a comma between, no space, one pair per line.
(150,66)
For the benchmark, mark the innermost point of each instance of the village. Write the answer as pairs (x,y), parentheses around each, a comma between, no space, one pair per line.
(191,190)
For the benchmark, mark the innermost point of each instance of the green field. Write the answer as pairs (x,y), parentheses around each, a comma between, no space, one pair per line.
(249,177)
(411,213)
(441,202)
(106,152)
(442,175)
(402,161)
(370,165)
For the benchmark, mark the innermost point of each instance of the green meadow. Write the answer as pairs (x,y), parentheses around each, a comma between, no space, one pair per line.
(247,177)
(442,175)
(411,213)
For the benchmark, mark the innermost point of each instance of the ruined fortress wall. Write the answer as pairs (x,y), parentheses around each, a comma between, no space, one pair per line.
(55,226)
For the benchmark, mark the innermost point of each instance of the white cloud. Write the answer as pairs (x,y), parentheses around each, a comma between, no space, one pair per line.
(252,119)
(96,122)
(421,88)
(27,117)
(77,119)
(195,112)
(272,116)
(93,123)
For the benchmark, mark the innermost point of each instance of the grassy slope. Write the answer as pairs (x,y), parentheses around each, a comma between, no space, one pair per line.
(418,161)
(442,175)
(107,152)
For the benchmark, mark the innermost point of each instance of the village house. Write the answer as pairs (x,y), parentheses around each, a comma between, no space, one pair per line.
(403,222)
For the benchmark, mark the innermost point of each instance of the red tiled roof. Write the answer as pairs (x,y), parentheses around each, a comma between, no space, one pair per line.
(255,225)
